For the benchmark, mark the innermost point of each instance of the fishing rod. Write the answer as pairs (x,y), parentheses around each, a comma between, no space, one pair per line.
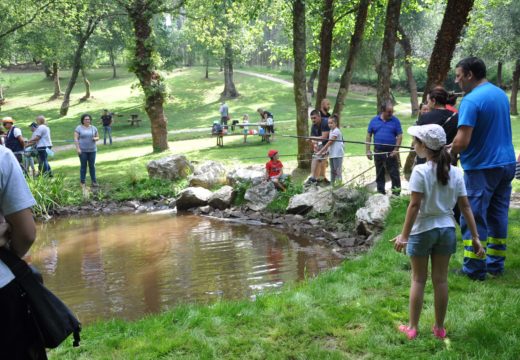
(323,158)
(344,141)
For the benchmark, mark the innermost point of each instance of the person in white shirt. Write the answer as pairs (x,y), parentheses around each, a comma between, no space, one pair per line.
(41,138)
(335,147)
(429,226)
(19,338)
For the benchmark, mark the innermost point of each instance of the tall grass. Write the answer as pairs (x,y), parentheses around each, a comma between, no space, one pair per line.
(50,194)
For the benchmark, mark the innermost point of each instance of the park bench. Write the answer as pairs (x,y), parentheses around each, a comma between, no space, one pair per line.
(134,120)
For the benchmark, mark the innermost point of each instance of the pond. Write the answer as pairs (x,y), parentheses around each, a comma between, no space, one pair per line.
(126,266)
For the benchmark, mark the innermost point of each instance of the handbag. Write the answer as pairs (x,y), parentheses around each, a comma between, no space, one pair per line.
(55,321)
(49,152)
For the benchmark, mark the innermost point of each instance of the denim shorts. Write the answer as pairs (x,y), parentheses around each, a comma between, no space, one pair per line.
(438,241)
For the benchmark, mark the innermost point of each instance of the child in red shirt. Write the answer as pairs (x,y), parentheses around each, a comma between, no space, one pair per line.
(274,169)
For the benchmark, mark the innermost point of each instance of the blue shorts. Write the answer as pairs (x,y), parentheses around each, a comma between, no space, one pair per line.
(438,241)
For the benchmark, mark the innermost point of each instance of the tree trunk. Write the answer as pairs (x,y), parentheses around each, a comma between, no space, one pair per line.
(499,74)
(47,70)
(56,79)
(229,86)
(87,84)
(310,83)
(327,26)
(354,47)
(149,79)
(384,76)
(455,18)
(412,85)
(113,62)
(207,67)
(514,89)
(76,65)
(300,96)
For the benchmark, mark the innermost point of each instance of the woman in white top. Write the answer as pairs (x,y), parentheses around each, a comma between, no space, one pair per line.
(41,137)
(429,227)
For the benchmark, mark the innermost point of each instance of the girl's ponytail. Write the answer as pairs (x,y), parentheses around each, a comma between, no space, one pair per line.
(443,160)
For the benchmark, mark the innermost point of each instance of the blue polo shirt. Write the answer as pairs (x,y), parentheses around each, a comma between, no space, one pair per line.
(384,132)
(486,110)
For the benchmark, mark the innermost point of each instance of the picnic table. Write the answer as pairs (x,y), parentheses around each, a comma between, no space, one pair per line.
(134,120)
(266,137)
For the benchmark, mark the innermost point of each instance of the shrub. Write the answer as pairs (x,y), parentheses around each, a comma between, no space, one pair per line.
(51,193)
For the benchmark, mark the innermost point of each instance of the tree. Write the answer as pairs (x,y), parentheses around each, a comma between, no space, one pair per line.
(456,15)
(387,52)
(354,47)
(405,43)
(300,96)
(16,15)
(327,27)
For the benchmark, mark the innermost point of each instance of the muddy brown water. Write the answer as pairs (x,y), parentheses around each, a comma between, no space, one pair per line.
(126,266)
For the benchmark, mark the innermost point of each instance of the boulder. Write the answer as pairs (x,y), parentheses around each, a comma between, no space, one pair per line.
(170,168)
(253,173)
(222,198)
(193,197)
(316,199)
(371,217)
(259,196)
(208,175)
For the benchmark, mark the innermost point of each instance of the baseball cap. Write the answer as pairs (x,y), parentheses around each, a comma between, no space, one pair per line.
(431,135)
(272,153)
(33,125)
(8,119)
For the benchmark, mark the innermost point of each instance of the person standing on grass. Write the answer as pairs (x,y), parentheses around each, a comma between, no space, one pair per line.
(485,143)
(41,138)
(14,140)
(319,130)
(19,337)
(85,137)
(224,113)
(429,228)
(335,147)
(245,128)
(106,120)
(388,134)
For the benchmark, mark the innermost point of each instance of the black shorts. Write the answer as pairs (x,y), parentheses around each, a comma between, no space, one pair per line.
(269,129)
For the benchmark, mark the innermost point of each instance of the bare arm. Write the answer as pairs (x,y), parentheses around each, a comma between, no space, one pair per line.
(76,142)
(23,231)
(21,141)
(411,214)
(368,140)
(398,140)
(327,145)
(465,209)
(462,139)
(34,140)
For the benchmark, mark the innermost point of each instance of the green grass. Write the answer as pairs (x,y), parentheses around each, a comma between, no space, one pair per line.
(348,313)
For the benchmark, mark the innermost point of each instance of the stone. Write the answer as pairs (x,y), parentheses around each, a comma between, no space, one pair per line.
(208,175)
(254,174)
(222,198)
(193,197)
(170,168)
(261,195)
(205,209)
(316,199)
(371,217)
(346,242)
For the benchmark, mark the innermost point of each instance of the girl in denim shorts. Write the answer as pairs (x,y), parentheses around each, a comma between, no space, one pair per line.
(429,227)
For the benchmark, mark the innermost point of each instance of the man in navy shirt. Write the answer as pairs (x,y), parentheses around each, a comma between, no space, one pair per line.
(485,143)
(387,132)
(319,129)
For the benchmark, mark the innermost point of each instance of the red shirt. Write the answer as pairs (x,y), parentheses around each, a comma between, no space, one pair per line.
(274,167)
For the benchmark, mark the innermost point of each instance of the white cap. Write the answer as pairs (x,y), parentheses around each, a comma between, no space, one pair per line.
(431,135)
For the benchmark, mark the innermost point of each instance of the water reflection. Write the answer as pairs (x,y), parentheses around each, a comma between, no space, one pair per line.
(128,265)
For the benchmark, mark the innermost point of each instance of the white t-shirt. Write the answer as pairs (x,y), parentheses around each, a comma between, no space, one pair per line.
(14,196)
(336,149)
(45,136)
(438,200)
(16,132)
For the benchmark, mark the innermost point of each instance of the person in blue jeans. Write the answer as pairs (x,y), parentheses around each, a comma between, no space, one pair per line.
(85,137)
(484,141)
(106,119)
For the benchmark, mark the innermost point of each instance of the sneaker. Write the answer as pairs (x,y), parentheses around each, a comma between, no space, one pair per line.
(95,184)
(324,181)
(310,181)
(410,333)
(439,333)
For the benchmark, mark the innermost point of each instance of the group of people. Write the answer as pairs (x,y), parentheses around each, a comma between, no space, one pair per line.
(265,125)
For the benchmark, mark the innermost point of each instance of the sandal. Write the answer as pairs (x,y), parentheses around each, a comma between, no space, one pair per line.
(439,333)
(410,333)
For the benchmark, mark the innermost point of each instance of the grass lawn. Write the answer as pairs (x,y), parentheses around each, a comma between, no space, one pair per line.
(348,313)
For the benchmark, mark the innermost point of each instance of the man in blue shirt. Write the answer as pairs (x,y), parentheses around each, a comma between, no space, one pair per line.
(485,143)
(388,135)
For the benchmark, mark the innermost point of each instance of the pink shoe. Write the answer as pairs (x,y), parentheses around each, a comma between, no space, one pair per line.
(439,333)
(410,333)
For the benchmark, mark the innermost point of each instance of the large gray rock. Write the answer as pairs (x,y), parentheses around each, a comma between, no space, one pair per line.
(253,173)
(318,200)
(193,197)
(347,200)
(208,175)
(371,217)
(259,196)
(170,168)
(222,198)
